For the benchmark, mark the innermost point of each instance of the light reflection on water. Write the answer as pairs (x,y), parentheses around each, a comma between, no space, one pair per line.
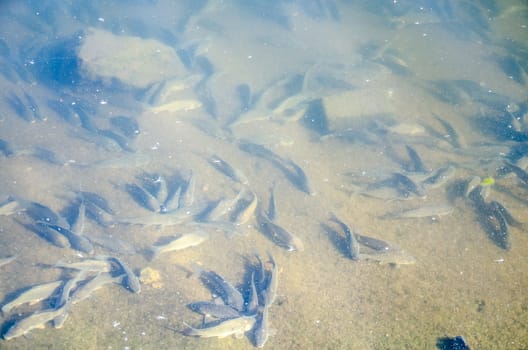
(339,88)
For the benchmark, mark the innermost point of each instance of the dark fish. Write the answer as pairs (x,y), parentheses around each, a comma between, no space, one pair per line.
(226,290)
(143,197)
(373,243)
(272,206)
(491,219)
(352,244)
(77,241)
(128,126)
(416,161)
(6,148)
(95,199)
(406,185)
(48,234)
(438,177)
(278,234)
(289,168)
(496,206)
(19,107)
(451,134)
(521,174)
(39,212)
(33,107)
(131,281)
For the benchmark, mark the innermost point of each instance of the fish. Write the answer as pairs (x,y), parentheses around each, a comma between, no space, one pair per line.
(352,244)
(131,281)
(373,243)
(243,214)
(270,293)
(32,295)
(5,261)
(183,105)
(77,242)
(253,301)
(187,195)
(421,212)
(491,218)
(128,126)
(222,207)
(278,234)
(262,328)
(391,256)
(143,197)
(224,328)
(521,173)
(226,290)
(34,321)
(416,161)
(438,177)
(169,219)
(214,310)
(185,240)
(289,168)
(6,149)
(452,136)
(97,265)
(78,223)
(48,234)
(226,169)
(272,206)
(100,280)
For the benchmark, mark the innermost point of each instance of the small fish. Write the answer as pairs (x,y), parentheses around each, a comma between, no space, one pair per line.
(521,173)
(416,161)
(278,234)
(187,195)
(97,265)
(373,243)
(169,219)
(177,106)
(272,206)
(421,212)
(100,280)
(226,290)
(253,301)
(224,328)
(33,295)
(392,256)
(262,328)
(10,207)
(270,293)
(352,244)
(5,261)
(77,242)
(185,240)
(131,280)
(222,207)
(439,177)
(34,321)
(452,136)
(214,310)
(406,185)
(243,214)
(226,169)
(143,197)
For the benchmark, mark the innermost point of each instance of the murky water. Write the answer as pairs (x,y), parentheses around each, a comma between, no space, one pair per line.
(339,88)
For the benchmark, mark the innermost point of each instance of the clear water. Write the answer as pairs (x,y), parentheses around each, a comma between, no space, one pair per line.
(369,64)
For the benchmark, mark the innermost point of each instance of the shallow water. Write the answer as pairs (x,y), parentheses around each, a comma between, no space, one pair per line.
(372,65)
